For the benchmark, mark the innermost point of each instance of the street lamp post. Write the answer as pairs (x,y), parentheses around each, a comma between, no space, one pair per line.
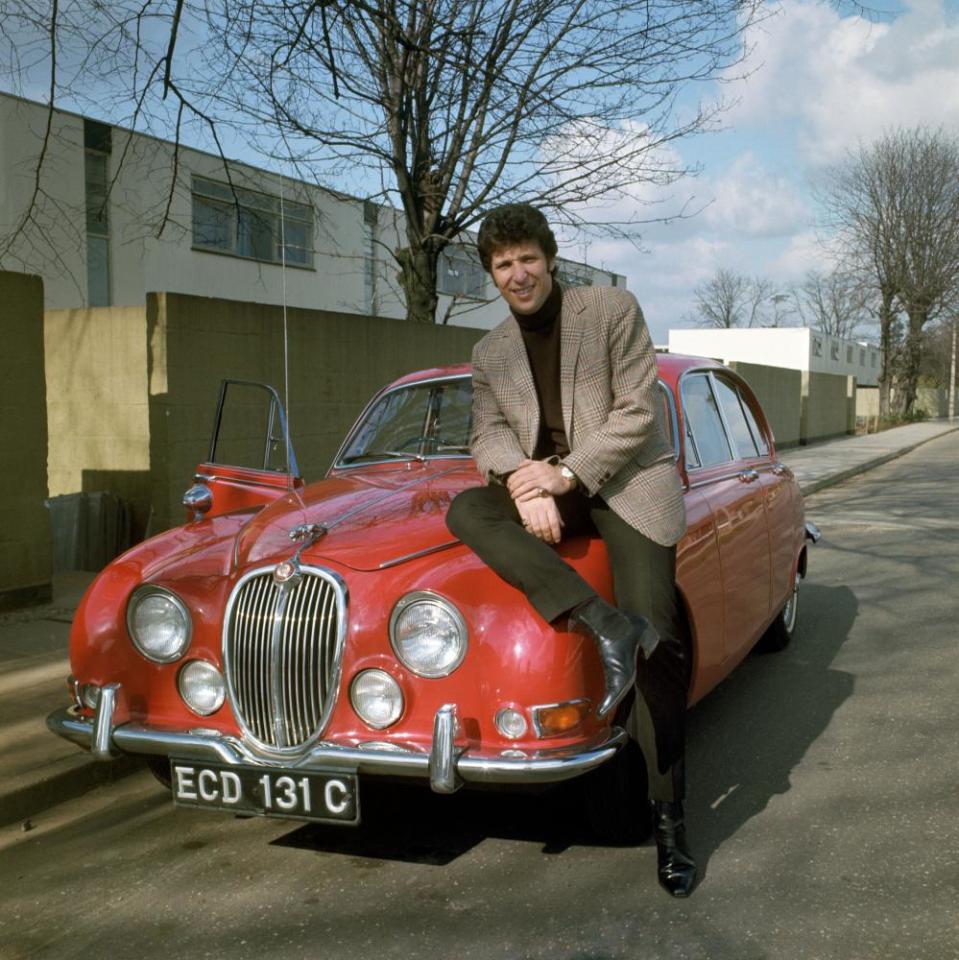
(952,374)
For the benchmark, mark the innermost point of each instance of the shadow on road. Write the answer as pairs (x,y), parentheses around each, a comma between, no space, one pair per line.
(749,734)
(744,741)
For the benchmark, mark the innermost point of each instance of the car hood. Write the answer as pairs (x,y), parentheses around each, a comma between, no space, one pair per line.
(374,517)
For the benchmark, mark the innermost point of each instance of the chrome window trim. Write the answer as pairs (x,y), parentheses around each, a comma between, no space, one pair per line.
(376,398)
(674,419)
(713,371)
(695,371)
(342,598)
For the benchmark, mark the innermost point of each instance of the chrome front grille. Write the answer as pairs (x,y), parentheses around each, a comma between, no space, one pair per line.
(281,651)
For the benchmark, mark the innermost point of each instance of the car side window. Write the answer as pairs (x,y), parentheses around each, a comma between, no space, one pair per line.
(746,437)
(706,441)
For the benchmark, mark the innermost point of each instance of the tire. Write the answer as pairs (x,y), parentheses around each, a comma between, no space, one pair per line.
(781,630)
(615,799)
(160,768)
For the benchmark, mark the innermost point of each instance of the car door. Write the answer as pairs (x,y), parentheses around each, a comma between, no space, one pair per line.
(721,467)
(251,461)
(780,495)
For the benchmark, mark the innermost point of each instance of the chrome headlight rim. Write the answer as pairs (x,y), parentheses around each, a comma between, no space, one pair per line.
(214,672)
(429,598)
(144,592)
(377,673)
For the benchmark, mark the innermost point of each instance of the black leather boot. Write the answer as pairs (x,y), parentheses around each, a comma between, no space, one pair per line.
(619,637)
(676,867)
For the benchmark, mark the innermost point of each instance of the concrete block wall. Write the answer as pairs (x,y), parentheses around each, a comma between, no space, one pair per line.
(828,406)
(337,362)
(780,393)
(934,401)
(25,552)
(97,405)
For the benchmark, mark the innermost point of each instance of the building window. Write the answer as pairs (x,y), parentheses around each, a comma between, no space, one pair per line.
(848,354)
(834,350)
(96,180)
(817,346)
(862,358)
(460,274)
(570,277)
(873,359)
(247,223)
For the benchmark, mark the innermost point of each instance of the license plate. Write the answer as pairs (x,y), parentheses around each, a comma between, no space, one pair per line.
(266,792)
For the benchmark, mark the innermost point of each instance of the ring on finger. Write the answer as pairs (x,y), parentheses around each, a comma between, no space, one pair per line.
(541,492)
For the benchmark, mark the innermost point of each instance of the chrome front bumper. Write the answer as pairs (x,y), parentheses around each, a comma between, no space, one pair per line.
(446,765)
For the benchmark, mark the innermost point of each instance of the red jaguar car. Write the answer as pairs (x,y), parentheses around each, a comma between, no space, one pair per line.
(291,639)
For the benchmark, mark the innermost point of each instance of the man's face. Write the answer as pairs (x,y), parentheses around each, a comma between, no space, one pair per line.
(522,275)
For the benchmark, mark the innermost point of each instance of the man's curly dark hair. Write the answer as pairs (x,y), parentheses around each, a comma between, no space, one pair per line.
(512,224)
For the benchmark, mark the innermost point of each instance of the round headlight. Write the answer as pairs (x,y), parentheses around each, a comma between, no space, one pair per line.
(428,634)
(202,687)
(159,624)
(376,698)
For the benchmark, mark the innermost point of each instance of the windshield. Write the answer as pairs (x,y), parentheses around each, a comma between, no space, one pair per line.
(416,421)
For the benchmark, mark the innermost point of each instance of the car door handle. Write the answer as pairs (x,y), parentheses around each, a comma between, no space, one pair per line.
(748,476)
(781,470)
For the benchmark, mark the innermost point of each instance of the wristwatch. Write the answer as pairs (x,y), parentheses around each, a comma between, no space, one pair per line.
(569,475)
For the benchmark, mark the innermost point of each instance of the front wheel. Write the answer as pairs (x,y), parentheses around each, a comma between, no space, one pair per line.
(781,630)
(160,768)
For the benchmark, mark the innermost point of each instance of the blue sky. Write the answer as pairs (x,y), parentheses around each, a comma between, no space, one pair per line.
(820,79)
(821,82)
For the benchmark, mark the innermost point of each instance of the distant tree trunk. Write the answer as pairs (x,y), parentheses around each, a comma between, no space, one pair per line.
(911,358)
(887,344)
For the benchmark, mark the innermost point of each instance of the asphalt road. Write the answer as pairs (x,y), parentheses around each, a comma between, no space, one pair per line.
(824,787)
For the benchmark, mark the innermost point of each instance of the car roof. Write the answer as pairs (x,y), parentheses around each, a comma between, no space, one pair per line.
(671,367)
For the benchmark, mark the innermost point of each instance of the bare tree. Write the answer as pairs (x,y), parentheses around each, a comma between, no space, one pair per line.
(896,206)
(447,106)
(836,303)
(730,299)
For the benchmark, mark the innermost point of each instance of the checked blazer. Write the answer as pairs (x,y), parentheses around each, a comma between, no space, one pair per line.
(608,387)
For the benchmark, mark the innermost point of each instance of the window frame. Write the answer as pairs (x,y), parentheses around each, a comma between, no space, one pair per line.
(260,204)
(711,374)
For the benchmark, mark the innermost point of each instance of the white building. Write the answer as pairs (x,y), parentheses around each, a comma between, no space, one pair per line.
(795,348)
(104,192)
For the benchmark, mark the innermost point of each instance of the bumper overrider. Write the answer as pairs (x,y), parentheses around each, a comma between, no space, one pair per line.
(447,766)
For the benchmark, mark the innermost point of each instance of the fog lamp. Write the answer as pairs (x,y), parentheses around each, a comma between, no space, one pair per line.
(90,695)
(558,718)
(202,687)
(376,698)
(510,723)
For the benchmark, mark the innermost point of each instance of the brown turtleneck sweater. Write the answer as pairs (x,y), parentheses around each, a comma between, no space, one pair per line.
(541,334)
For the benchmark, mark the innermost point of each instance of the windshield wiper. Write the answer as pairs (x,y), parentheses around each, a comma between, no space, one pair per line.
(385,454)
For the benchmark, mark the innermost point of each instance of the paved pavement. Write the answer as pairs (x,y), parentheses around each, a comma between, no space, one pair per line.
(39,770)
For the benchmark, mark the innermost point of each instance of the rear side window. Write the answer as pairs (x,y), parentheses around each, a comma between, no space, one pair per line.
(706,442)
(746,436)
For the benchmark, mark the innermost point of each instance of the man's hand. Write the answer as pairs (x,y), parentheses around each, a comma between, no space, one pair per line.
(540,517)
(536,478)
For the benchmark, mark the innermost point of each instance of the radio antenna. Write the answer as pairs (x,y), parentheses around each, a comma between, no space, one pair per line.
(286,345)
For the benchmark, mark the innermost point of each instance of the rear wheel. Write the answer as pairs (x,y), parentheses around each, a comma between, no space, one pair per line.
(615,798)
(781,630)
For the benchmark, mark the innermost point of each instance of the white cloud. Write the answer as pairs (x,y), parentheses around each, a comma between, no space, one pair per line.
(846,79)
(753,202)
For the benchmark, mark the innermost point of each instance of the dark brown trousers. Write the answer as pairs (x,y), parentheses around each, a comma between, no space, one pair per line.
(644,581)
